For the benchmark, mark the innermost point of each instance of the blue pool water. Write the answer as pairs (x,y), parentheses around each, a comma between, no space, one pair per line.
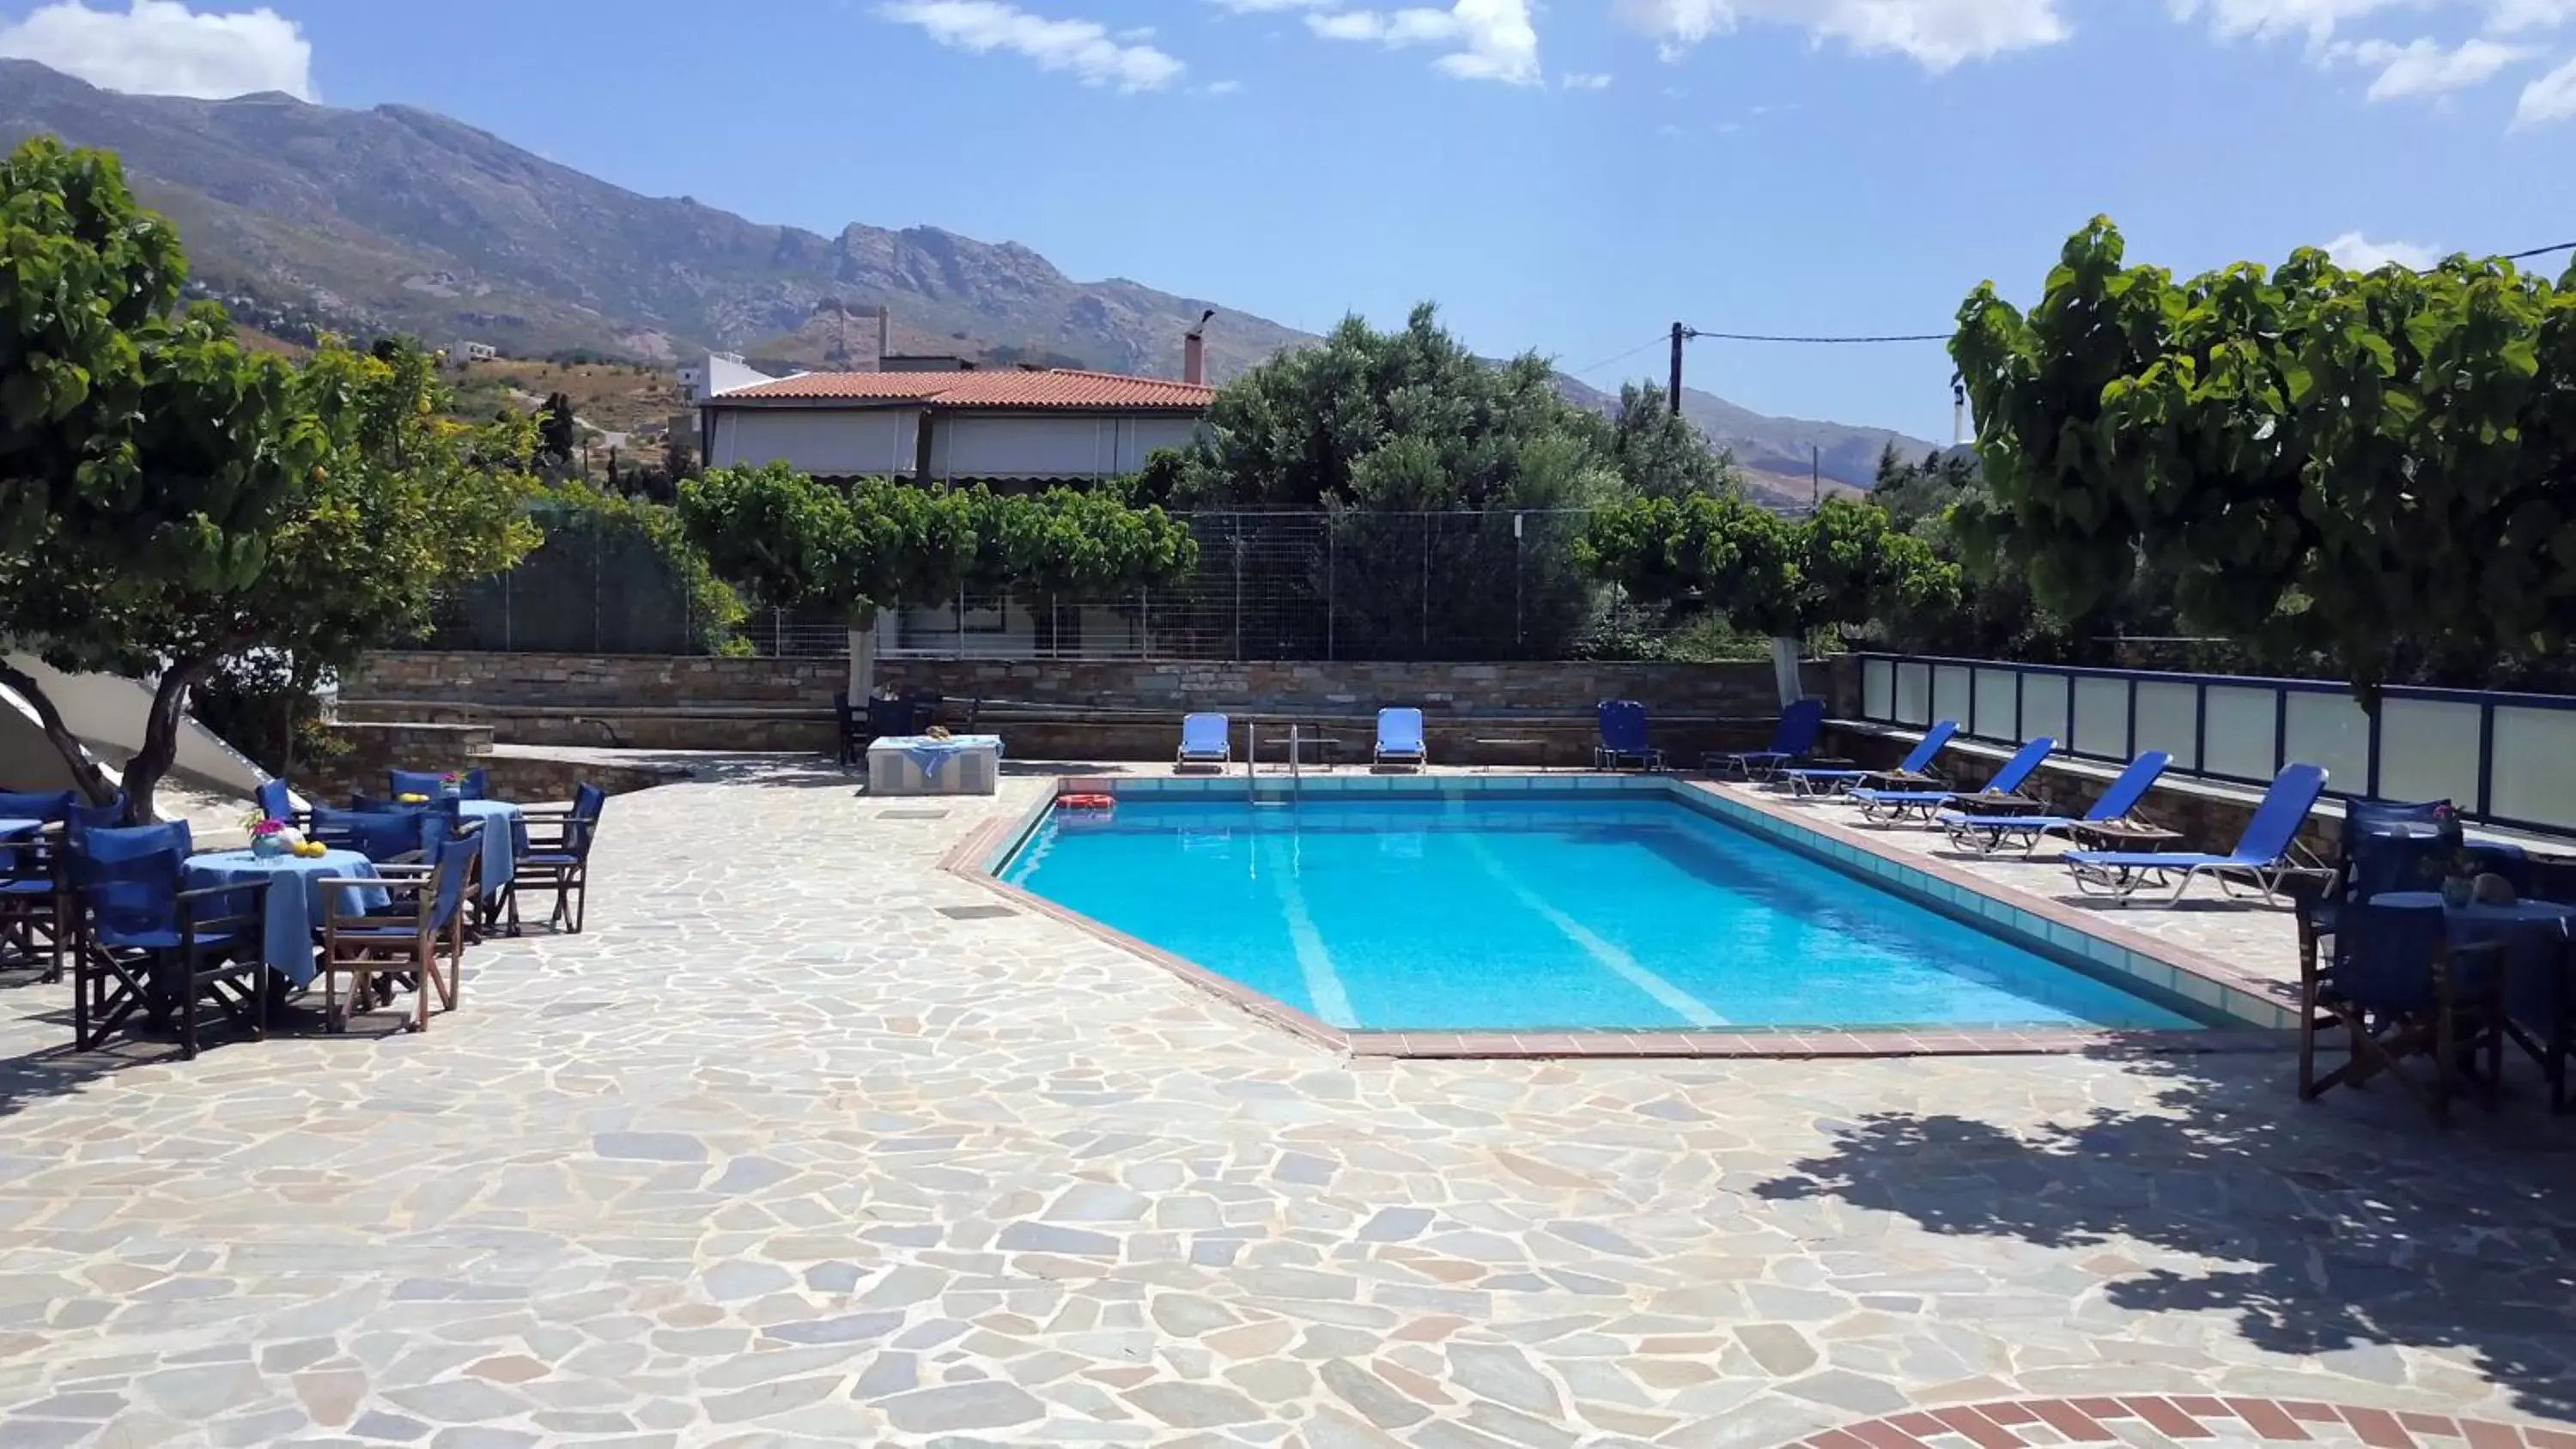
(1530,913)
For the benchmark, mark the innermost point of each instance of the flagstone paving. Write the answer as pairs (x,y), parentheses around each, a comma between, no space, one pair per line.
(781,1152)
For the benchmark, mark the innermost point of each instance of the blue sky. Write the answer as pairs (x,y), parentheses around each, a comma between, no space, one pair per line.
(1571,176)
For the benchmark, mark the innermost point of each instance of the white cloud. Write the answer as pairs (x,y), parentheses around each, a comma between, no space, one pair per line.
(1936,34)
(2423,67)
(162,48)
(1264,7)
(1222,88)
(1083,47)
(1492,39)
(2550,98)
(2509,16)
(1576,80)
(2360,253)
(2275,19)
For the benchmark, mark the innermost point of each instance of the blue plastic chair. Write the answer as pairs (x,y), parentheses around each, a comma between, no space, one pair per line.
(1399,738)
(2266,853)
(147,942)
(1986,834)
(1622,724)
(1206,739)
(1791,741)
(273,801)
(1893,806)
(1915,768)
(401,941)
(559,860)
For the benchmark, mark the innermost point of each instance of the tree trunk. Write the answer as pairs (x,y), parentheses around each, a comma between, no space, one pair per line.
(1784,670)
(161,734)
(58,734)
(863,657)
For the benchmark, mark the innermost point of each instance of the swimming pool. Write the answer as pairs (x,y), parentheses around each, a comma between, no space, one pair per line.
(1526,912)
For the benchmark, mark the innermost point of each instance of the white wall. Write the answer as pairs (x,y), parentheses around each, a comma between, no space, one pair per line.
(1024,445)
(725,372)
(108,712)
(832,442)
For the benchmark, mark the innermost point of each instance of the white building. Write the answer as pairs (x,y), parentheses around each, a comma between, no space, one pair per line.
(1057,425)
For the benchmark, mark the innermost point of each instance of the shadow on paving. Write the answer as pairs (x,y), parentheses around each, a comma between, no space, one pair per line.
(2352,1223)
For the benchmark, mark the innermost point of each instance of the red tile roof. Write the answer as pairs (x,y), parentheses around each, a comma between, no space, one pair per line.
(1059,387)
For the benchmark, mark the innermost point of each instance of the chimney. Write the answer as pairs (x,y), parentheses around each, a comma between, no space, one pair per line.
(1194,350)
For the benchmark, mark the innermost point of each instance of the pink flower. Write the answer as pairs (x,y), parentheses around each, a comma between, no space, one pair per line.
(268,827)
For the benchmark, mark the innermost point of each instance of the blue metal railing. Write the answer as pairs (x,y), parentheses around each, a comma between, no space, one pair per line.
(2505,759)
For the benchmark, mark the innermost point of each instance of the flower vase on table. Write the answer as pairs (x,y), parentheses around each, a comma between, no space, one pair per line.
(2459,890)
(268,839)
(451,785)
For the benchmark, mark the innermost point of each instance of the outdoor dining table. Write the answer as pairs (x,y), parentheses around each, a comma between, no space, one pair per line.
(296,903)
(505,839)
(12,827)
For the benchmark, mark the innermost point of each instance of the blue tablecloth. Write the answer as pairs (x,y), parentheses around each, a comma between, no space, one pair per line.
(2534,934)
(930,753)
(505,839)
(295,907)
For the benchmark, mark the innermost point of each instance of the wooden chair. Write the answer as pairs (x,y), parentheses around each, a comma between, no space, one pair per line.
(558,860)
(402,941)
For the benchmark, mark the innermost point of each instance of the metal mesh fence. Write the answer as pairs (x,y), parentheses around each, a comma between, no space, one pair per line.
(1268,586)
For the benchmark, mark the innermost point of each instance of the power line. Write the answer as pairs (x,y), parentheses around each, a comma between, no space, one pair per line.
(1655,341)
(1693,332)
(2537,252)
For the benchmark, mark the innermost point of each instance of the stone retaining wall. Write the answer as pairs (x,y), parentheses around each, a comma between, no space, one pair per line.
(1513,713)
(571,681)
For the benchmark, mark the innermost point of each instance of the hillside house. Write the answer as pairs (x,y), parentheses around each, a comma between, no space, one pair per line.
(953,425)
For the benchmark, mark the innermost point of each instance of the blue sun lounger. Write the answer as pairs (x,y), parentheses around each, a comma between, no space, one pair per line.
(1206,739)
(2264,853)
(1791,741)
(1399,738)
(1896,806)
(1986,834)
(1825,782)
(1623,736)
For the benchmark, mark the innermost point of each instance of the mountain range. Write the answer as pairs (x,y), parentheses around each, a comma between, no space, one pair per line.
(400,219)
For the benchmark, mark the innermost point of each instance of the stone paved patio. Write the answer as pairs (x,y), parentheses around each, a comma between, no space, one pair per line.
(784,1152)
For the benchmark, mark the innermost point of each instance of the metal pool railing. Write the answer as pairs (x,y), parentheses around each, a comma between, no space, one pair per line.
(2505,759)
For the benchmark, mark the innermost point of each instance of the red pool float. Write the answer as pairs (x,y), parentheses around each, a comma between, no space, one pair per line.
(1086,802)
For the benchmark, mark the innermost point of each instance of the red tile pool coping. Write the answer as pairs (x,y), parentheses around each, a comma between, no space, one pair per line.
(2098,1418)
(2210,982)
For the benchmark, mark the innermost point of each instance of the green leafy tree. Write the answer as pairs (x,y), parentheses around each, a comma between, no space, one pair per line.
(1661,454)
(558,436)
(146,461)
(1765,574)
(2377,468)
(170,503)
(796,542)
(1401,420)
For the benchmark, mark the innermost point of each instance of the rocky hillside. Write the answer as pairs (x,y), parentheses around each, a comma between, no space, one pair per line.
(399,219)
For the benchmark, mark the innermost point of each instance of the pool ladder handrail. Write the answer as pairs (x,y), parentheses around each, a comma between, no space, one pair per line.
(1252,759)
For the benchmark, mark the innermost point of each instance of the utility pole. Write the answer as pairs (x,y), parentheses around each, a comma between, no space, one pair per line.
(1679,332)
(1815,476)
